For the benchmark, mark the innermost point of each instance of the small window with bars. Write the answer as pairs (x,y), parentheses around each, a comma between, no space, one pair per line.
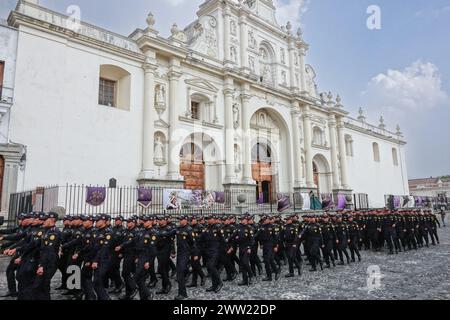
(107,93)
(195,110)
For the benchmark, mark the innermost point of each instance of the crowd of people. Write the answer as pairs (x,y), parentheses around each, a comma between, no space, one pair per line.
(123,257)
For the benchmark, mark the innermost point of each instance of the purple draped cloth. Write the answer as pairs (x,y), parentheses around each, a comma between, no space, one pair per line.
(95,196)
(342,202)
(144,197)
(284,202)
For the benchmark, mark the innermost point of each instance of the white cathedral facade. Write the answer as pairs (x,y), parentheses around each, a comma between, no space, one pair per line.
(229,102)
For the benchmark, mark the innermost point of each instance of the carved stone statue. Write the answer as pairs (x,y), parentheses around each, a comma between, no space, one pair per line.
(159,151)
(236,116)
(237,160)
(233,54)
(160,95)
(283,56)
(251,39)
(251,64)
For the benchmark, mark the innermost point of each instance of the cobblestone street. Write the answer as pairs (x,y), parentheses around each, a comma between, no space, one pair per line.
(422,274)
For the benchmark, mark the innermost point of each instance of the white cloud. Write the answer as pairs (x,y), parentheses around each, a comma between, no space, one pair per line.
(291,10)
(417,87)
(175,3)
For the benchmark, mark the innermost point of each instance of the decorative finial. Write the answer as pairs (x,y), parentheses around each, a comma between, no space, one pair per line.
(174,30)
(299,33)
(289,27)
(361,116)
(338,102)
(150,20)
(330,96)
(399,132)
(382,126)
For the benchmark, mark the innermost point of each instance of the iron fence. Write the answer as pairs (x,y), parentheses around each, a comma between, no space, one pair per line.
(124,201)
(361,201)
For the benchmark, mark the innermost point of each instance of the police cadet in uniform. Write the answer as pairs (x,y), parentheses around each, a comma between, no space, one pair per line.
(329,238)
(244,238)
(354,238)
(48,258)
(166,250)
(214,239)
(228,260)
(342,239)
(197,230)
(186,248)
(266,236)
(255,262)
(128,250)
(313,237)
(116,257)
(290,238)
(16,237)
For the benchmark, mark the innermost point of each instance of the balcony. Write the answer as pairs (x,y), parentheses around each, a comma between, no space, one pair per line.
(6,100)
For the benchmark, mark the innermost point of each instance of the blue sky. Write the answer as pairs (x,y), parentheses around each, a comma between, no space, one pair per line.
(401,71)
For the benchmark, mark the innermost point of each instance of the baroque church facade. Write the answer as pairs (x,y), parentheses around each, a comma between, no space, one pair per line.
(228,102)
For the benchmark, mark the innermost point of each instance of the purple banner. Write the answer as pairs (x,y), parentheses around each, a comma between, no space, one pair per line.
(260,199)
(144,197)
(220,197)
(397,202)
(342,202)
(284,202)
(95,195)
(327,202)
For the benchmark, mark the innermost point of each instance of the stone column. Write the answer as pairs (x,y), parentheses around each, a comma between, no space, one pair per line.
(174,102)
(343,154)
(246,117)
(244,42)
(308,147)
(148,168)
(292,65)
(226,34)
(295,115)
(10,181)
(302,54)
(334,152)
(229,131)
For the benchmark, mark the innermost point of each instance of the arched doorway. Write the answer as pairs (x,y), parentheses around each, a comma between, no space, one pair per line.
(322,174)
(192,166)
(262,171)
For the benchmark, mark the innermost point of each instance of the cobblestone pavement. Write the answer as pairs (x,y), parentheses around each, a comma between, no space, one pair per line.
(422,274)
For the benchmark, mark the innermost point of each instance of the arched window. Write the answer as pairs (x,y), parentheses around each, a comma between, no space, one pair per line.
(395,156)
(114,87)
(318,136)
(349,145)
(376,152)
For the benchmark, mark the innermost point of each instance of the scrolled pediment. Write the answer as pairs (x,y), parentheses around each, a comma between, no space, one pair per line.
(202,84)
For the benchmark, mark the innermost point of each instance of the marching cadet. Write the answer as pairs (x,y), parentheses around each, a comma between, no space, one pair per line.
(116,257)
(197,230)
(48,258)
(329,238)
(342,239)
(85,253)
(213,239)
(100,264)
(312,235)
(390,233)
(244,238)
(354,237)
(432,222)
(267,238)
(128,251)
(16,237)
(255,261)
(64,259)
(186,248)
(166,250)
(290,238)
(228,260)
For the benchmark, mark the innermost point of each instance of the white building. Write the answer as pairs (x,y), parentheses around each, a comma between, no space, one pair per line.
(11,154)
(228,102)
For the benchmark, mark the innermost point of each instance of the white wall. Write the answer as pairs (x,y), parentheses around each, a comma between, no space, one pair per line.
(8,50)
(69,137)
(377,179)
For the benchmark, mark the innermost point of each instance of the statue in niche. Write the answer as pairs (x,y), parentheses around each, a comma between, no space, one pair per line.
(267,74)
(237,160)
(284,77)
(251,64)
(233,54)
(159,151)
(251,39)
(160,95)
(236,116)
(283,56)
(233,27)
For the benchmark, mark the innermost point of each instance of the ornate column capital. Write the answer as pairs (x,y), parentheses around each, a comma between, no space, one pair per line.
(174,75)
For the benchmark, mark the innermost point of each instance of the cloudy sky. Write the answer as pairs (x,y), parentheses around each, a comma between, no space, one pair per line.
(401,71)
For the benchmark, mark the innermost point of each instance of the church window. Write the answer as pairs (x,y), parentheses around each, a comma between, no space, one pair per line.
(349,145)
(395,156)
(195,110)
(376,152)
(107,93)
(114,87)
